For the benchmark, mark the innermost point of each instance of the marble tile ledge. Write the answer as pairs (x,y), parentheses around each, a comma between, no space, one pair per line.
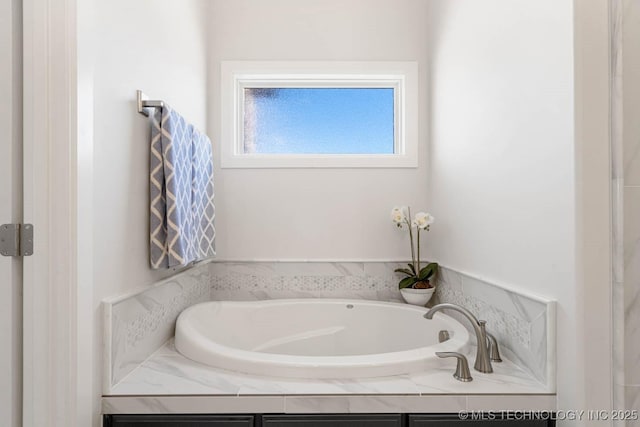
(168,382)
(324,404)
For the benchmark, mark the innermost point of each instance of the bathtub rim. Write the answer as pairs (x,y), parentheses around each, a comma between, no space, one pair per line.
(218,355)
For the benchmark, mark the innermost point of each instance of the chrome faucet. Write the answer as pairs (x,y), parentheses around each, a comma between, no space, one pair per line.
(483,362)
(494,351)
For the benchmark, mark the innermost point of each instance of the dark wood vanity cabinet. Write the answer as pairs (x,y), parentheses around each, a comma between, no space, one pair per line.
(170,420)
(453,420)
(337,420)
(288,420)
(316,420)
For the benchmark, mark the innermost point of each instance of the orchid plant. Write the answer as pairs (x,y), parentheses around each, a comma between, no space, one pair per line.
(416,277)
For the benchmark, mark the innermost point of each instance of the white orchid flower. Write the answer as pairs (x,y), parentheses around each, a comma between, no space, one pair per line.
(415,275)
(398,215)
(423,220)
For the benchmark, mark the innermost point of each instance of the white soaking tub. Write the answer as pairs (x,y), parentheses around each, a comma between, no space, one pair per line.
(316,338)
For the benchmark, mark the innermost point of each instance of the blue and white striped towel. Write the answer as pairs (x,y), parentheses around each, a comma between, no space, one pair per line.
(181,192)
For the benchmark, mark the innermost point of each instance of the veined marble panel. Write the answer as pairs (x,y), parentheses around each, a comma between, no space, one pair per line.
(523,325)
(273,280)
(168,372)
(511,403)
(632,394)
(193,405)
(625,145)
(378,404)
(619,153)
(631,345)
(618,172)
(629,93)
(322,404)
(168,382)
(137,325)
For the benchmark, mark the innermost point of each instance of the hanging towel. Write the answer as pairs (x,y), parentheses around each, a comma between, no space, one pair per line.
(181,192)
(202,208)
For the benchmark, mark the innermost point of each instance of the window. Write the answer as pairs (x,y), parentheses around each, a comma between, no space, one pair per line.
(301,114)
(319,120)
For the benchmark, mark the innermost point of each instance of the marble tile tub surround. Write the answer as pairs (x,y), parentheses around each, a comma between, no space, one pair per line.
(523,324)
(324,404)
(168,382)
(138,324)
(249,281)
(168,373)
(625,190)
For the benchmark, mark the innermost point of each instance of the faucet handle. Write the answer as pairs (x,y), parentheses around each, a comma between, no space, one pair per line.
(491,342)
(462,368)
(494,351)
(483,326)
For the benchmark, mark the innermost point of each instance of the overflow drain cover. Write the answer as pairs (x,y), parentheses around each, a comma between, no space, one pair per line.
(349,305)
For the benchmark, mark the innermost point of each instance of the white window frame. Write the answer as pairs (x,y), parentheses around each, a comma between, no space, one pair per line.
(238,75)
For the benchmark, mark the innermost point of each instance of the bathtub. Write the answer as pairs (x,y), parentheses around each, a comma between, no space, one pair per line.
(316,338)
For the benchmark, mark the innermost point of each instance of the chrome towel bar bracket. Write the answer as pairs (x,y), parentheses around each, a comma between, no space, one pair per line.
(144,102)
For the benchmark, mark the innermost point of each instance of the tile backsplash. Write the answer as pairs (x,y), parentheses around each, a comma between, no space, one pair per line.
(137,325)
(523,325)
(269,280)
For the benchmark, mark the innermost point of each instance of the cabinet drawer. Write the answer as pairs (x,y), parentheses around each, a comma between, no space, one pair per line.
(179,420)
(451,420)
(345,420)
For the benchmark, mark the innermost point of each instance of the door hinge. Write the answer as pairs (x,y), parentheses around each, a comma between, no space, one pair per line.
(16,239)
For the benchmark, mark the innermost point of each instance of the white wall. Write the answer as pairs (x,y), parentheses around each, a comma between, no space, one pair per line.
(502,143)
(502,139)
(320,213)
(509,181)
(157,46)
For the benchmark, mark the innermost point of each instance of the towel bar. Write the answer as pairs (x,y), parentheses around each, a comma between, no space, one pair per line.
(143,103)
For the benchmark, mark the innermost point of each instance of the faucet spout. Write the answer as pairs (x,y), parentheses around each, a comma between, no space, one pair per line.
(483,362)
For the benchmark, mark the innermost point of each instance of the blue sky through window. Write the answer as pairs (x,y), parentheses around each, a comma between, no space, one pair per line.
(319,120)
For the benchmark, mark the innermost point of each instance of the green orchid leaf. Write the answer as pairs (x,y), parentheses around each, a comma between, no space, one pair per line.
(407,282)
(404,271)
(425,275)
(431,266)
(428,271)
